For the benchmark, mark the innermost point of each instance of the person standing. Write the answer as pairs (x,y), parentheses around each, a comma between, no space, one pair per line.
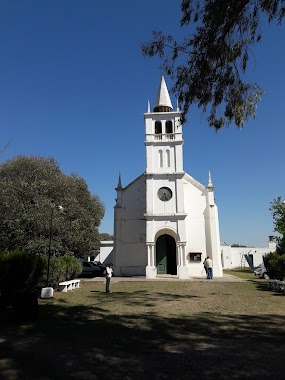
(205,267)
(209,263)
(109,271)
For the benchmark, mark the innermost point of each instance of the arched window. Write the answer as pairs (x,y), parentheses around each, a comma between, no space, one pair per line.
(168,158)
(160,158)
(157,127)
(168,127)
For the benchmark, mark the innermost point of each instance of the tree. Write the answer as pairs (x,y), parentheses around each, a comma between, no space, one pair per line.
(278,212)
(30,190)
(275,261)
(208,65)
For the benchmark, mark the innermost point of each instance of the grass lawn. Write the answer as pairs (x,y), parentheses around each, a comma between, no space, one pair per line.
(245,273)
(151,330)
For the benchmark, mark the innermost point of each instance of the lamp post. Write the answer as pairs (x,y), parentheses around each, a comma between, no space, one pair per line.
(60,208)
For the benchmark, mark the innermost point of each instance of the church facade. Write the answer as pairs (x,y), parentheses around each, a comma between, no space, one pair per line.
(165,222)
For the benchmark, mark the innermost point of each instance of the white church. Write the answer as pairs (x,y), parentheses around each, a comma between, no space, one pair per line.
(165,222)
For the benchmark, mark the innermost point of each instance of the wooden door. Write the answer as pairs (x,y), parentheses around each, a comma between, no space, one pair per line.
(161,257)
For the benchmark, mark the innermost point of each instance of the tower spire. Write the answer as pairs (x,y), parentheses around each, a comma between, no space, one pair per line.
(163,102)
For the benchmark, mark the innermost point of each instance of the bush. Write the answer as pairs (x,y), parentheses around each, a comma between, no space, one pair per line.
(275,265)
(62,268)
(28,271)
(20,271)
(73,267)
(20,274)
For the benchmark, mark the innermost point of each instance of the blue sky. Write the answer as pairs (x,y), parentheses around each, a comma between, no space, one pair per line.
(74,86)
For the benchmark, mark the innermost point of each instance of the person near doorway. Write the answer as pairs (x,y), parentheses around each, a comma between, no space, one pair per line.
(205,267)
(209,264)
(109,271)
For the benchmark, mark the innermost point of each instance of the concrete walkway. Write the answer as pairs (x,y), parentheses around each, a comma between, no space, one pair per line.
(166,277)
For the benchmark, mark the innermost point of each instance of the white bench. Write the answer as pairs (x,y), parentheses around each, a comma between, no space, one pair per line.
(280,285)
(272,284)
(69,285)
(276,285)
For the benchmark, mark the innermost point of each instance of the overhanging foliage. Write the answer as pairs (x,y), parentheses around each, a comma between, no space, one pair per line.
(208,65)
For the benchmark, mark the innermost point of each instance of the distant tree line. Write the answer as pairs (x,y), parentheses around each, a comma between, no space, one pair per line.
(105,236)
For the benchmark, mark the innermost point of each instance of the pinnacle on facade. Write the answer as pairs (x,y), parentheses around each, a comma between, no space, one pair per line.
(210,183)
(148,106)
(119,182)
(177,106)
(163,101)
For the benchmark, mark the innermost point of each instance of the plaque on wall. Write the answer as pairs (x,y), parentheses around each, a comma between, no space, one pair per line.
(195,256)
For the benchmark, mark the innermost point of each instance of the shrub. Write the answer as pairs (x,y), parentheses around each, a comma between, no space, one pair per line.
(62,268)
(73,267)
(275,265)
(20,271)
(20,274)
(28,271)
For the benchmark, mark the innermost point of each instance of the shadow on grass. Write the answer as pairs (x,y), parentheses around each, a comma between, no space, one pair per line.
(262,285)
(92,342)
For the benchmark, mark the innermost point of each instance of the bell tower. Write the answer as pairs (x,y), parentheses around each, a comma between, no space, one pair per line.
(163,138)
(165,212)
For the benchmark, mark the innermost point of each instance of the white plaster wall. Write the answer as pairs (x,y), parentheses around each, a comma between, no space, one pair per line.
(153,146)
(179,156)
(162,225)
(131,251)
(151,118)
(161,207)
(195,204)
(213,239)
(154,204)
(149,159)
(226,254)
(157,168)
(148,124)
(202,227)
(105,255)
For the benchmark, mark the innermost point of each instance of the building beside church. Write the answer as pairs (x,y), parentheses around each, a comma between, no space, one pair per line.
(234,257)
(165,222)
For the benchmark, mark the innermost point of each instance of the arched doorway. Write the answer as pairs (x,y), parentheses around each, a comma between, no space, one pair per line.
(166,255)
